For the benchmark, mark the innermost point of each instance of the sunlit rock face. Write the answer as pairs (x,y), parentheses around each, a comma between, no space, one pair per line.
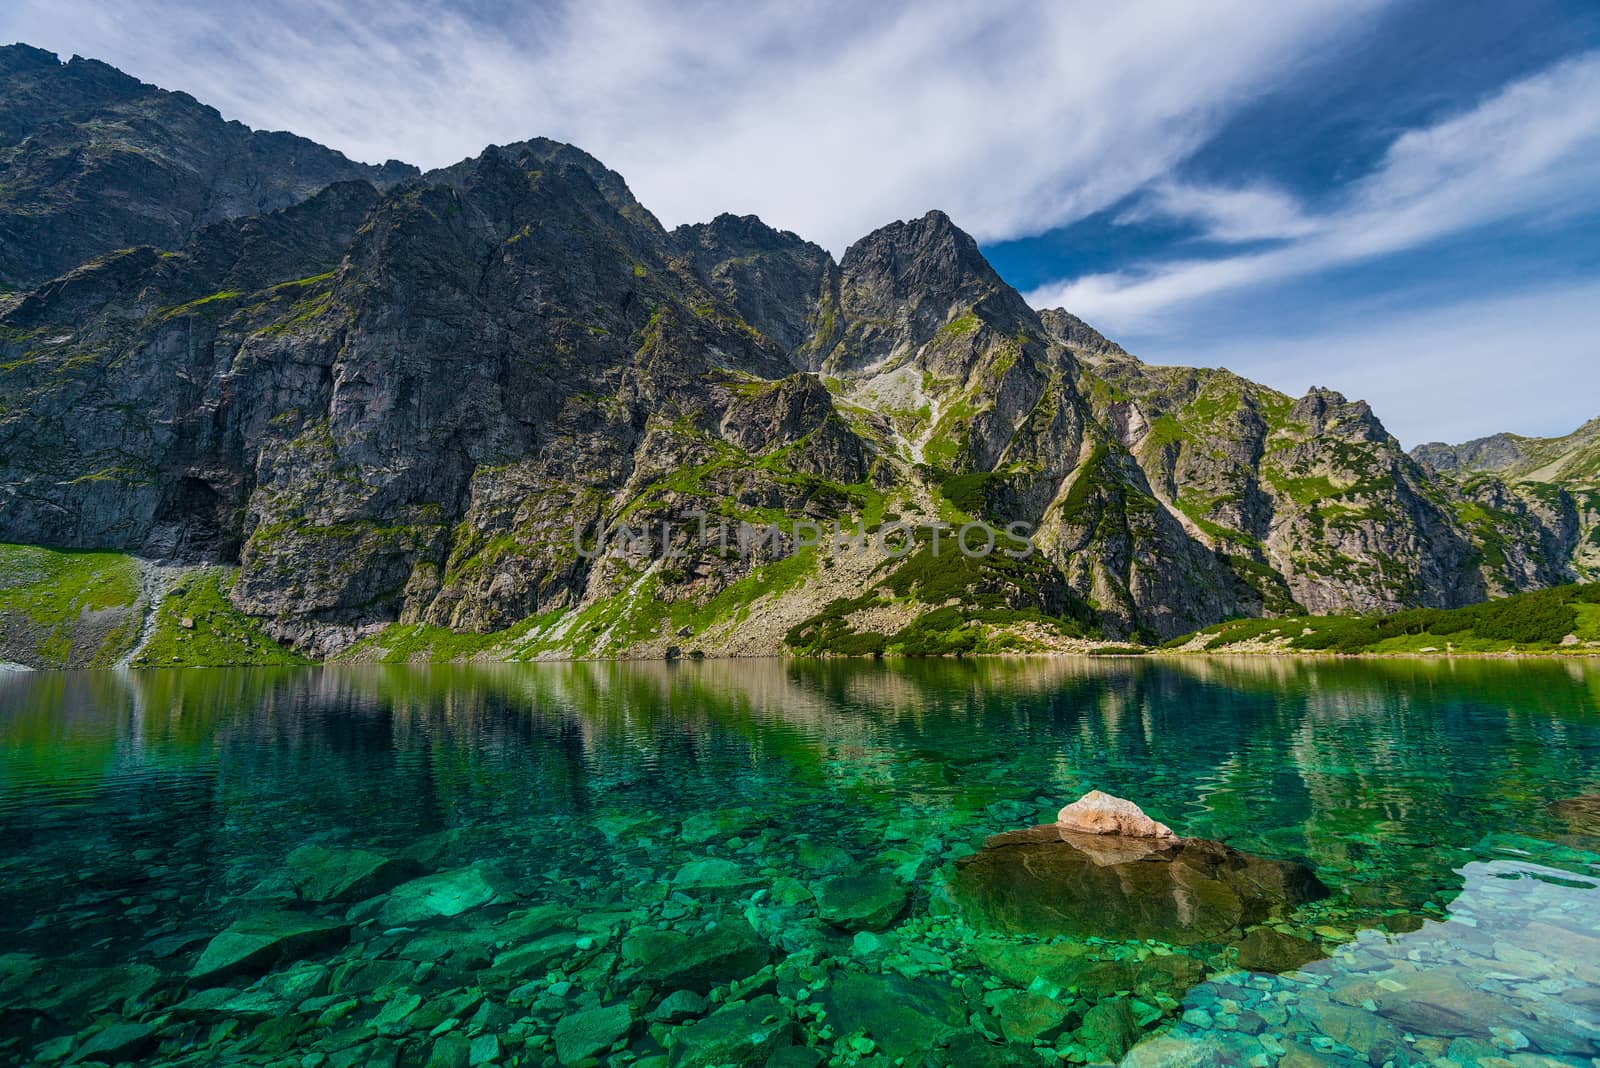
(1049,881)
(1097,812)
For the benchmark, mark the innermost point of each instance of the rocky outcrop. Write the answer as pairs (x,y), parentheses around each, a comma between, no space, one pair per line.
(777,282)
(1311,502)
(1549,486)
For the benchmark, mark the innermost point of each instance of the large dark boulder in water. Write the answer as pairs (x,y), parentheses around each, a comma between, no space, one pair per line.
(1046,881)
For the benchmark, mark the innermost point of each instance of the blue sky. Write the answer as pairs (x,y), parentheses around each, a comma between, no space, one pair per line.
(1393,198)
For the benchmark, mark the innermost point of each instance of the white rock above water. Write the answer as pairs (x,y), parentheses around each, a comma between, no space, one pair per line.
(1100,813)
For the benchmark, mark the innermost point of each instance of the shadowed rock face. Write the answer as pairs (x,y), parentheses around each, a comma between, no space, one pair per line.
(1046,881)
(95,161)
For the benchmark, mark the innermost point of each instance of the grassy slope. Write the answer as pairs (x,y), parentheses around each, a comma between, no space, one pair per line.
(1537,622)
(219,635)
(85,609)
(67,609)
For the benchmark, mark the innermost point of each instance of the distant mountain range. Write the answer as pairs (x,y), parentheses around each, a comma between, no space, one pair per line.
(409,405)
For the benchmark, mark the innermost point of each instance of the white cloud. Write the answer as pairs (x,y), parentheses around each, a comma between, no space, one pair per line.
(1527,363)
(1252,213)
(1531,151)
(828,118)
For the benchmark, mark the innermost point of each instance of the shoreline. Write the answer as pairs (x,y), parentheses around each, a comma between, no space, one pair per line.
(12,668)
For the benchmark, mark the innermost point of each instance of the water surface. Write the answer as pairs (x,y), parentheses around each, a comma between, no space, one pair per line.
(565,846)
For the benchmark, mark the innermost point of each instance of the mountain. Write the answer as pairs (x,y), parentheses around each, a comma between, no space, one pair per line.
(499,408)
(92,161)
(1572,461)
(1560,475)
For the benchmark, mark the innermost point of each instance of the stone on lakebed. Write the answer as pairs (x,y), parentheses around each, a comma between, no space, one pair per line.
(321,875)
(256,943)
(441,896)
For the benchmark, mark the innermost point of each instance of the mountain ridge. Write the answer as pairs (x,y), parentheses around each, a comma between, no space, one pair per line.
(93,160)
(403,407)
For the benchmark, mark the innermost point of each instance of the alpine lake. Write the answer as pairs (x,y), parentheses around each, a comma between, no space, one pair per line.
(794,863)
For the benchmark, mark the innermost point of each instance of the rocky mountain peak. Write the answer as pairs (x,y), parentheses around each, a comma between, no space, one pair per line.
(776,280)
(1077,335)
(1493,453)
(1572,460)
(15,58)
(1329,411)
(904,282)
(95,160)
(928,256)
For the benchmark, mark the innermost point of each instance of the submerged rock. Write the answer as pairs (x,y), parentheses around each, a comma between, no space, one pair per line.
(672,960)
(256,943)
(1100,813)
(715,875)
(1025,1016)
(63,991)
(117,1043)
(581,1035)
(431,897)
(1047,881)
(1109,1029)
(903,1016)
(1440,1002)
(322,875)
(747,1033)
(867,902)
(1266,950)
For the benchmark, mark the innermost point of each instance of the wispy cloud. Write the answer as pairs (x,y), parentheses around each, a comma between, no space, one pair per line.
(1532,151)
(1249,213)
(829,118)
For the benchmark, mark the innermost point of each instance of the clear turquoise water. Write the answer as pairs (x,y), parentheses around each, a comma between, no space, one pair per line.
(141,814)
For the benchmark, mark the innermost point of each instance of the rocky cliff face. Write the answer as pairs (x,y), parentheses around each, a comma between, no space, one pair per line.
(92,161)
(1311,501)
(500,399)
(1557,480)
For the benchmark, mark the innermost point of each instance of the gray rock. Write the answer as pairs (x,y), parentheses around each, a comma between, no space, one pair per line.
(320,875)
(867,902)
(581,1035)
(743,1034)
(1441,1003)
(257,943)
(96,161)
(438,896)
